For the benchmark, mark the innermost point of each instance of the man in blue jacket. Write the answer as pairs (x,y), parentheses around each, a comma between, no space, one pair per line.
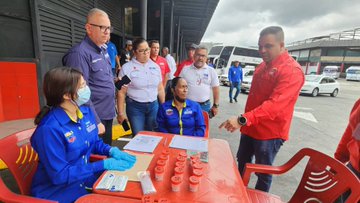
(235,77)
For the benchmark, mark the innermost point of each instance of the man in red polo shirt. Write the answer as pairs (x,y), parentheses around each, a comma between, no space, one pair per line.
(188,61)
(161,61)
(274,91)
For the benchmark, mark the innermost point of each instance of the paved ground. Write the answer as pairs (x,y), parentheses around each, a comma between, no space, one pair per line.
(318,123)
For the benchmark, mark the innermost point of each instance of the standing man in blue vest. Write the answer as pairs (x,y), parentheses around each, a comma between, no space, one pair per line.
(235,76)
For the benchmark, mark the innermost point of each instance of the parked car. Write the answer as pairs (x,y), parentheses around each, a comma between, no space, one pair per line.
(247,79)
(224,80)
(320,84)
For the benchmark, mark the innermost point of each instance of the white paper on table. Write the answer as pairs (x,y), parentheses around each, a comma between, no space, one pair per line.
(143,143)
(189,143)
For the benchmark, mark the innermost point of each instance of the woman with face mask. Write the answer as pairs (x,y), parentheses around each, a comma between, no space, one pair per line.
(180,115)
(65,136)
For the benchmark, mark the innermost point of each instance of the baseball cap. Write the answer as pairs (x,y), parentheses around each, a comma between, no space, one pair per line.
(129,42)
(193,46)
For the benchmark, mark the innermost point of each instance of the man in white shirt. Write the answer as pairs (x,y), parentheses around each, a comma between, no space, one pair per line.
(172,65)
(202,79)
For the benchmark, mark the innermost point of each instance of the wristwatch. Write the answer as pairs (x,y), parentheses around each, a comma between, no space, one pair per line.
(242,120)
(215,105)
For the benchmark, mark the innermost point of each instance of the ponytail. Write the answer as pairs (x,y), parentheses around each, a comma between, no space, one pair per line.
(44,110)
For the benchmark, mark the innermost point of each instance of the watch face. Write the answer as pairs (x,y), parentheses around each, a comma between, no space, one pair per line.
(242,120)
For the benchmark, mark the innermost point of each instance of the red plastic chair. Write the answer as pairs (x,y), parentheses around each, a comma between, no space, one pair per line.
(324,178)
(206,119)
(21,159)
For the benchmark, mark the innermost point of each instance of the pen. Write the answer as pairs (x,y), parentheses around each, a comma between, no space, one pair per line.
(165,141)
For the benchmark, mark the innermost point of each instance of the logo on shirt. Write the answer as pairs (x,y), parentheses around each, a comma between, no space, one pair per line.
(169,112)
(273,71)
(96,60)
(152,68)
(90,126)
(188,111)
(161,64)
(70,136)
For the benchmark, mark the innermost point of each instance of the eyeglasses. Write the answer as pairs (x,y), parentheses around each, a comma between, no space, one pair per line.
(144,51)
(103,28)
(200,56)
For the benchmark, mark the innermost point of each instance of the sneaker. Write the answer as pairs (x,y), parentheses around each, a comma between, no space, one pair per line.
(235,99)
(231,101)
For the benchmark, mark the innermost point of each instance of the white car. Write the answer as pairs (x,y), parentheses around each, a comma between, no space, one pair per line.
(247,79)
(224,80)
(320,84)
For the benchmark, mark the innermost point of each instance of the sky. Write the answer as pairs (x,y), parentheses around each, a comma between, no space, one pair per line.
(239,22)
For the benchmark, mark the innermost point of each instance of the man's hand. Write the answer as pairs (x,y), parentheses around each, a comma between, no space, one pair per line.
(231,124)
(214,110)
(101,128)
(121,117)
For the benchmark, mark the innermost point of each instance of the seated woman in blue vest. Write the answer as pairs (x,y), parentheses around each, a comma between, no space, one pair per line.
(65,136)
(180,115)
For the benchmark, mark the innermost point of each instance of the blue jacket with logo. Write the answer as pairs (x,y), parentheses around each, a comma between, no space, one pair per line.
(235,74)
(189,121)
(64,148)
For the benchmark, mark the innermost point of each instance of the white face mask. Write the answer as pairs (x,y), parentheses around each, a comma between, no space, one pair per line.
(83,95)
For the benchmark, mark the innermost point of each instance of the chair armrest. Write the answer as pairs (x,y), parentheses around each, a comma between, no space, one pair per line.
(96,157)
(7,195)
(260,168)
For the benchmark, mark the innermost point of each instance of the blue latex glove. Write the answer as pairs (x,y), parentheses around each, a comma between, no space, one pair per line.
(119,155)
(119,165)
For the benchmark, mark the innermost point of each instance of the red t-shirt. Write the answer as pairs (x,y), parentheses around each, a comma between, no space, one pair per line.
(270,105)
(161,61)
(349,148)
(187,62)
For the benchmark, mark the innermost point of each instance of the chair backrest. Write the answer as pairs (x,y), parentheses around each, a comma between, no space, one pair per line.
(206,120)
(324,179)
(21,159)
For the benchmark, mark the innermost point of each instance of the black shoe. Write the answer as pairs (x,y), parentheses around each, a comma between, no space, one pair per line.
(231,101)
(235,99)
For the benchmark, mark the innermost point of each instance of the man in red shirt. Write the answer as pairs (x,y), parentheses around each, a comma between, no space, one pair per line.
(188,61)
(161,61)
(268,112)
(348,149)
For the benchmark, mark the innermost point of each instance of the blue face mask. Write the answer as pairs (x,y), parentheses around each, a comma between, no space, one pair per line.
(83,95)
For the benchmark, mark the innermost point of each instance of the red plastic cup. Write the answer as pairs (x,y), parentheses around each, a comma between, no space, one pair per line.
(183,154)
(179,171)
(159,173)
(198,173)
(181,159)
(161,163)
(197,166)
(194,183)
(166,152)
(175,183)
(163,157)
(180,164)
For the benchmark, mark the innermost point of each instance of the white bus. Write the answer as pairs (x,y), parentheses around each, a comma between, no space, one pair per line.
(229,54)
(353,73)
(332,71)
(214,54)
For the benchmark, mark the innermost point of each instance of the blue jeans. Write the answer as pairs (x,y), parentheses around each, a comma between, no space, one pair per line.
(205,106)
(237,86)
(264,152)
(142,116)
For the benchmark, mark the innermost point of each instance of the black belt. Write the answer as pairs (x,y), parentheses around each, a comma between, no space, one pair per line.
(203,103)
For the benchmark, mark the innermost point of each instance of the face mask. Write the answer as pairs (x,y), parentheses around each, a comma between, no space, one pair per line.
(83,95)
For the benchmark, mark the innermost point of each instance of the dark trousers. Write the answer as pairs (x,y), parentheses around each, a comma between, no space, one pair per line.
(264,152)
(107,137)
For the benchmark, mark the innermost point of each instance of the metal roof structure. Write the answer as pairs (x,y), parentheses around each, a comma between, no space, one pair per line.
(192,16)
(347,38)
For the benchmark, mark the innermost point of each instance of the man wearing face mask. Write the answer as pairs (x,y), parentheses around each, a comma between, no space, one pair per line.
(92,59)
(202,79)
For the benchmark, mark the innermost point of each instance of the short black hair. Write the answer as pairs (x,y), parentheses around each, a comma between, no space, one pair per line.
(273,30)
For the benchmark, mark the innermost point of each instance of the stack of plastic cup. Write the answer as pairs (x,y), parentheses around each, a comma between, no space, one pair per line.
(159,173)
(194,183)
(175,183)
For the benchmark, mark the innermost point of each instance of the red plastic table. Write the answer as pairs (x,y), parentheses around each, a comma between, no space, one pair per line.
(221,181)
(96,198)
